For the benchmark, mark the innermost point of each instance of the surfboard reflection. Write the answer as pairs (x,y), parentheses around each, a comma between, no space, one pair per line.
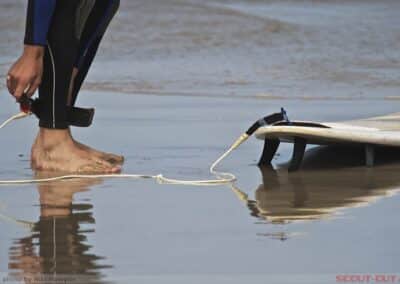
(322,188)
(57,248)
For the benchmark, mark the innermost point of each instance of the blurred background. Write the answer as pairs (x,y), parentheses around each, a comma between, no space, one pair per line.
(329,49)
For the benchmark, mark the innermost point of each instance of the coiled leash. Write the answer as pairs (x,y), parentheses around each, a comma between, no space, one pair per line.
(83,117)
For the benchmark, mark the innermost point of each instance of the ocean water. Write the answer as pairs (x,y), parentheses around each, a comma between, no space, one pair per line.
(267,49)
(174,83)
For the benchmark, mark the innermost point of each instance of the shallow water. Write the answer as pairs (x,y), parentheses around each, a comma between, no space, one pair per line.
(334,216)
(174,84)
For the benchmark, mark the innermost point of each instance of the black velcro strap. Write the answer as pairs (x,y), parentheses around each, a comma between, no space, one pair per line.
(81,117)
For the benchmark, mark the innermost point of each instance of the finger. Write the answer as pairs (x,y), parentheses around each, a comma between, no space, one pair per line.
(19,90)
(32,88)
(10,84)
(28,86)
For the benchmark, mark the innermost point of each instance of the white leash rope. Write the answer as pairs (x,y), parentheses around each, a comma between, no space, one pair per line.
(14,117)
(222,178)
(23,224)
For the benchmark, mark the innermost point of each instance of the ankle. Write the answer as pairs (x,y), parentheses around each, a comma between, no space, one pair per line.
(51,137)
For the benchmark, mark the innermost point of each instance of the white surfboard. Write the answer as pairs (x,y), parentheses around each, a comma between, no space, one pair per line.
(375,131)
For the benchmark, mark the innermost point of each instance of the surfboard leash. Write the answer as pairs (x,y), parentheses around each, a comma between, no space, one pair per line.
(221,177)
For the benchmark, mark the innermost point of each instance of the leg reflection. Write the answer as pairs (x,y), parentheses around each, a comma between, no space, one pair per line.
(58,242)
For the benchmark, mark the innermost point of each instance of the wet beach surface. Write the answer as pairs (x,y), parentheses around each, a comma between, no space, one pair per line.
(175,83)
(334,216)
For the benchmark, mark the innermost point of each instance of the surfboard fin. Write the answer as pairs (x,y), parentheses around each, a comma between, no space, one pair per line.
(299,147)
(369,155)
(270,148)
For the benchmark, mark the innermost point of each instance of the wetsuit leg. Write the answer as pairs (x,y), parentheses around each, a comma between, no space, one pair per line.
(61,51)
(95,26)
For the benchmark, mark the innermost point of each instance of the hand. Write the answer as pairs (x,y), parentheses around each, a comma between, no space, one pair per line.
(25,75)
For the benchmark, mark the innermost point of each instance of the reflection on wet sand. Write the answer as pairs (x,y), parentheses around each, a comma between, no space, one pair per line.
(57,247)
(330,180)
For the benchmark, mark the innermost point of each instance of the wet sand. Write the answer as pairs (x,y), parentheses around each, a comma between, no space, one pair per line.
(174,84)
(328,218)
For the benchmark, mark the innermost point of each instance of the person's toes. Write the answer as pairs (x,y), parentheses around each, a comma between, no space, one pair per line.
(113,159)
(116,169)
(98,168)
(106,166)
(89,169)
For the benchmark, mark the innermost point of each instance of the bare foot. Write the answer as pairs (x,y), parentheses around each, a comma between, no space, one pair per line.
(55,150)
(112,158)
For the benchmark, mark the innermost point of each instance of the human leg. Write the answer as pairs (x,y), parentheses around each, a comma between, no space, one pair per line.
(54,147)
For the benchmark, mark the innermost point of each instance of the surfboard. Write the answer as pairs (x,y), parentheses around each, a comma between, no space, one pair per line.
(370,132)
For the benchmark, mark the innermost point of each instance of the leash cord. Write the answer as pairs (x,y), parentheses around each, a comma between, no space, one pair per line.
(221,177)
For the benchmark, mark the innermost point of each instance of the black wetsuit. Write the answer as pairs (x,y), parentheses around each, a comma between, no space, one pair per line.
(71,31)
